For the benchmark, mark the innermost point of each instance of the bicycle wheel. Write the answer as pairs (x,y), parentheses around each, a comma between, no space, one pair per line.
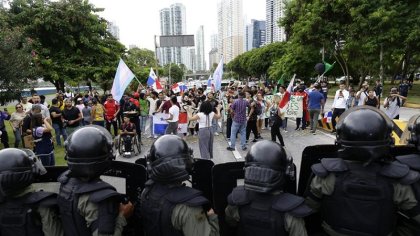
(120,146)
(138,144)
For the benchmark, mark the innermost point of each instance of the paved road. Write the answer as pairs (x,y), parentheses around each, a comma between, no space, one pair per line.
(295,142)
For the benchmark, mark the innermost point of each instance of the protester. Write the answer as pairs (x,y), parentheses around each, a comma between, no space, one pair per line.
(263,104)
(340,104)
(79,104)
(351,101)
(239,121)
(362,94)
(206,133)
(275,120)
(316,107)
(403,89)
(16,120)
(173,117)
(393,103)
(214,103)
(87,113)
(128,132)
(252,117)
(27,106)
(36,100)
(152,99)
(71,116)
(229,117)
(371,99)
(282,91)
(144,111)
(41,132)
(97,113)
(111,110)
(57,122)
(378,91)
(300,91)
(4,115)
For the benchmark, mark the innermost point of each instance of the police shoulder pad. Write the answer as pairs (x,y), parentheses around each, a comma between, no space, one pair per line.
(334,164)
(188,196)
(412,160)
(411,178)
(42,198)
(395,170)
(319,170)
(239,197)
(292,204)
(99,191)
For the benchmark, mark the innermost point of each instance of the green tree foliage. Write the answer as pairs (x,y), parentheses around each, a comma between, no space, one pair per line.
(71,43)
(15,59)
(352,33)
(177,72)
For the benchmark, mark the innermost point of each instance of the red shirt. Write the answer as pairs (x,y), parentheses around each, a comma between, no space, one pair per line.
(111,107)
(305,99)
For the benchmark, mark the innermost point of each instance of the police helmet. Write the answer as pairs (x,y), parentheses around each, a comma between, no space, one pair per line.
(169,159)
(364,134)
(89,151)
(16,171)
(414,128)
(266,164)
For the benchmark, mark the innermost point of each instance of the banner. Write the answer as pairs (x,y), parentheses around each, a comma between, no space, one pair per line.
(295,107)
(159,123)
(123,78)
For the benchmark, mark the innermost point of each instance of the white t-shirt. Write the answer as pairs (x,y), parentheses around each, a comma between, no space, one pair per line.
(174,111)
(340,102)
(205,122)
(152,105)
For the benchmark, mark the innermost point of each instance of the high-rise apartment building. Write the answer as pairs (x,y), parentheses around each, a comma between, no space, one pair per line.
(214,53)
(191,59)
(173,22)
(200,64)
(114,29)
(230,29)
(255,35)
(275,10)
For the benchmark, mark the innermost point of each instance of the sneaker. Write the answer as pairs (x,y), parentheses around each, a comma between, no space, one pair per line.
(244,148)
(228,139)
(230,149)
(255,140)
(216,134)
(127,153)
(333,131)
(264,128)
(297,128)
(150,136)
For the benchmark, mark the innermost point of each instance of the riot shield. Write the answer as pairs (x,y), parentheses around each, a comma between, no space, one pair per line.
(132,176)
(225,179)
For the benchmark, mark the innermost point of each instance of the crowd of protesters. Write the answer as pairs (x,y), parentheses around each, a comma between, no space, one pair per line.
(247,110)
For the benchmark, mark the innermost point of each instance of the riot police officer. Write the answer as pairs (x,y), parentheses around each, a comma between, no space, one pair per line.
(413,161)
(261,207)
(25,210)
(167,206)
(360,192)
(89,206)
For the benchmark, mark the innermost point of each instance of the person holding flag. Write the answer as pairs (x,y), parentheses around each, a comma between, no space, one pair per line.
(285,97)
(153,81)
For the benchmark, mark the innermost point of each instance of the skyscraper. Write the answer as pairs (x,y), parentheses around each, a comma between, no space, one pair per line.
(214,57)
(173,22)
(200,64)
(114,29)
(275,10)
(191,59)
(230,29)
(255,35)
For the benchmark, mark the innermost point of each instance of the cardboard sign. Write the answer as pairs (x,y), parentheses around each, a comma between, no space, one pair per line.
(295,107)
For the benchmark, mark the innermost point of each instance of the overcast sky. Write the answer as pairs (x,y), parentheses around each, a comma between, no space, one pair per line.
(139,21)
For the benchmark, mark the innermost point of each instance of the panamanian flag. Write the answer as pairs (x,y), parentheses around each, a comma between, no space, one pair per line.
(159,123)
(153,81)
(183,123)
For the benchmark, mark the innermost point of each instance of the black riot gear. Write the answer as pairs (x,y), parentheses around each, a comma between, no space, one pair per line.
(89,151)
(364,134)
(16,171)
(18,215)
(169,159)
(414,128)
(265,167)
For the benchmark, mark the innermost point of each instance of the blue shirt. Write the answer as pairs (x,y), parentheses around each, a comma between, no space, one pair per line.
(315,98)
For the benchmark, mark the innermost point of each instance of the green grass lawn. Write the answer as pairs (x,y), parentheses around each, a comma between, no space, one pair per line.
(58,151)
(413,94)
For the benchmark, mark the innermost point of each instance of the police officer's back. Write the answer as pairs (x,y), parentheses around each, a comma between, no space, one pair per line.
(167,206)
(360,192)
(89,206)
(261,207)
(413,161)
(23,209)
